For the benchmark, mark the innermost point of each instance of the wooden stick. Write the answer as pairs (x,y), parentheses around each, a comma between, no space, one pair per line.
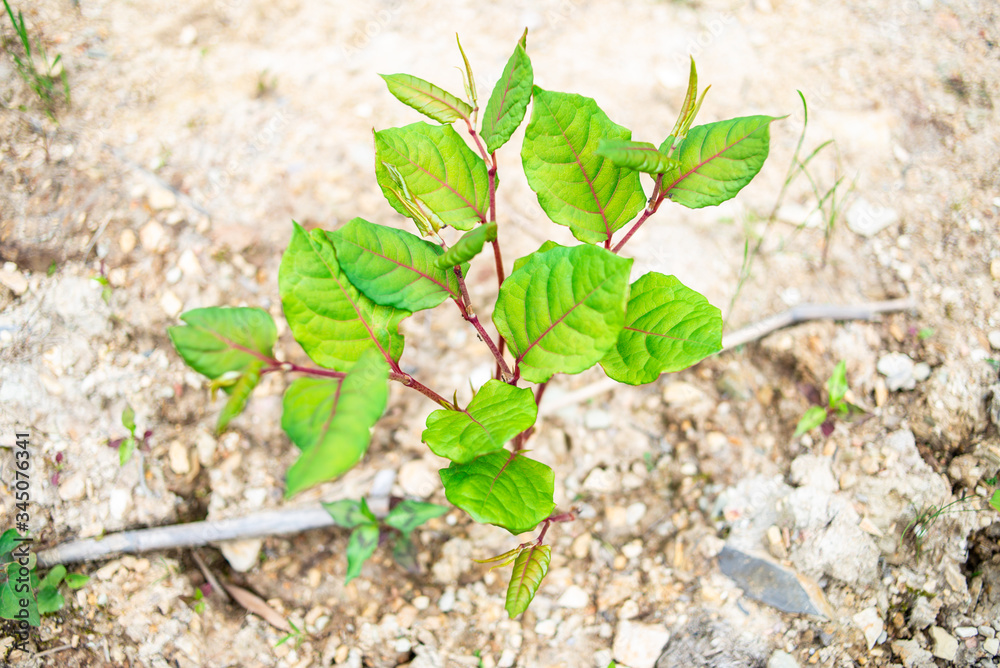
(295,520)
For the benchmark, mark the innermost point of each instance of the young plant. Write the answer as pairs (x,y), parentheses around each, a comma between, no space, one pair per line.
(562,309)
(836,405)
(368,533)
(924,519)
(35,68)
(43,595)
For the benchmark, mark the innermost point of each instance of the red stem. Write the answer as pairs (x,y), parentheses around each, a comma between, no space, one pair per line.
(654,203)
(470,316)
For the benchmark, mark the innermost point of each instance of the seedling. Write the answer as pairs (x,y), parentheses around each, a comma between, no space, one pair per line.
(19,582)
(924,520)
(836,405)
(296,634)
(34,67)
(368,532)
(563,309)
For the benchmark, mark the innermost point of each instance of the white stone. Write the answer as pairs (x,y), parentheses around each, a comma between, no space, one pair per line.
(447,601)
(188,263)
(639,645)
(421,602)
(596,418)
(945,645)
(634,513)
(782,659)
(601,481)
(171,304)
(178,456)
(419,477)
(188,36)
(992,645)
(921,371)
(868,219)
(507,658)
(152,237)
(161,198)
(174,275)
(118,503)
(241,554)
(871,624)
(73,488)
(574,597)
(994,338)
(127,241)
(898,371)
(966,631)
(633,549)
(546,627)
(14,280)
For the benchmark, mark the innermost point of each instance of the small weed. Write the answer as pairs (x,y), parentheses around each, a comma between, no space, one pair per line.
(836,405)
(34,67)
(296,634)
(23,596)
(266,84)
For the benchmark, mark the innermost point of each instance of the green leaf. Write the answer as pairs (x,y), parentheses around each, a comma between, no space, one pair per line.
(717,160)
(468,79)
(392,267)
(836,385)
(10,598)
(330,318)
(219,340)
(507,105)
(812,418)
(563,309)
(54,577)
(50,600)
(430,100)
(239,395)
(360,547)
(440,172)
(78,580)
(125,450)
(503,489)
(496,414)
(530,567)
(577,187)
(8,541)
(346,513)
(668,327)
(329,420)
(546,245)
(408,515)
(690,107)
(468,246)
(639,155)
(128,418)
(995,499)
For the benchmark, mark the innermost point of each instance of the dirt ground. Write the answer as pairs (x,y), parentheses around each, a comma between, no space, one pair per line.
(197,131)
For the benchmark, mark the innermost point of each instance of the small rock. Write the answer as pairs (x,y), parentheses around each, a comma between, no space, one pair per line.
(921,371)
(639,645)
(447,601)
(782,659)
(127,241)
(986,631)
(595,418)
(632,549)
(188,263)
(188,36)
(152,237)
(686,401)
(178,456)
(546,627)
(995,269)
(994,339)
(73,488)
(634,513)
(992,645)
(14,280)
(161,198)
(507,658)
(241,554)
(419,478)
(118,503)
(945,645)
(601,481)
(581,546)
(421,602)
(868,219)
(773,584)
(871,624)
(574,597)
(898,371)
(912,654)
(171,304)
(923,613)
(966,631)
(174,275)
